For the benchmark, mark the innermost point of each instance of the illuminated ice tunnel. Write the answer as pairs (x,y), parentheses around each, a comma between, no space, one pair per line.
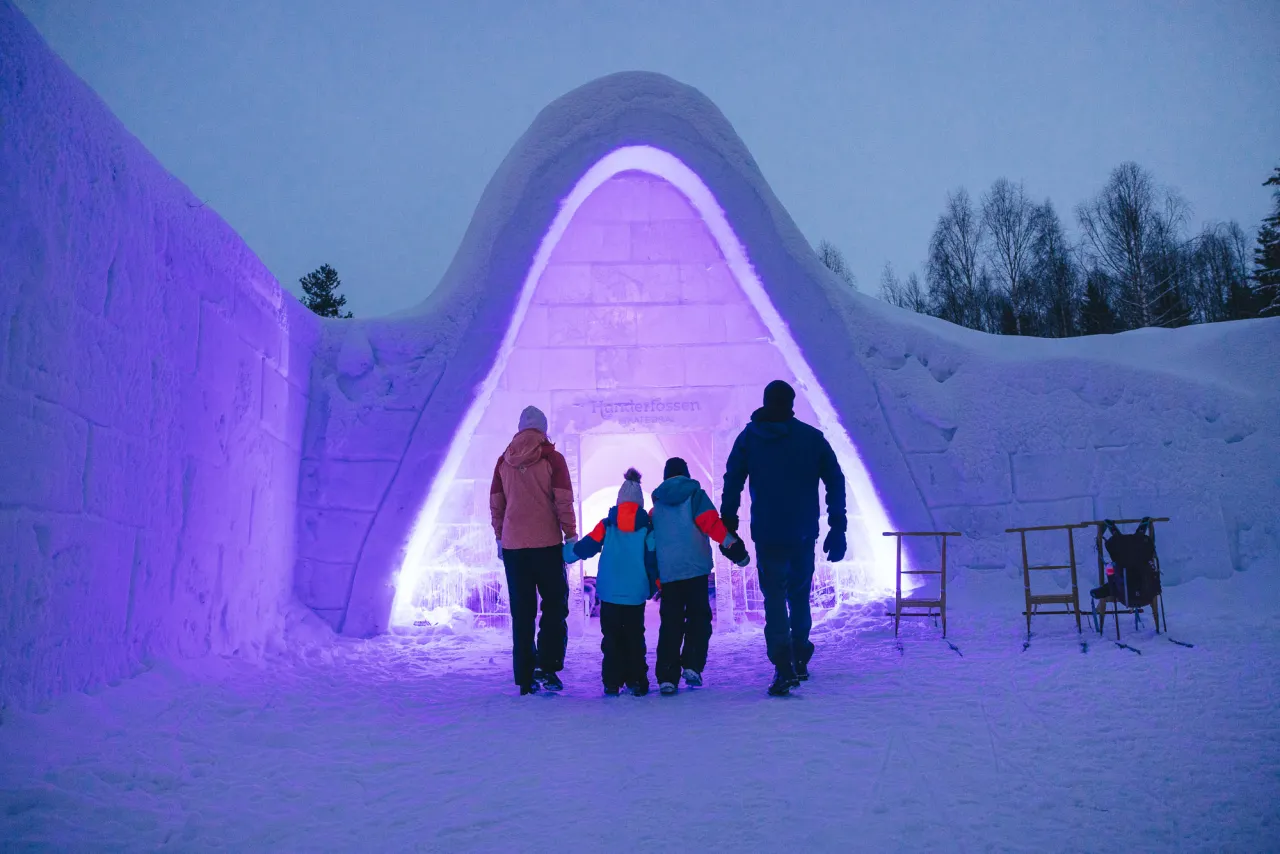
(643,332)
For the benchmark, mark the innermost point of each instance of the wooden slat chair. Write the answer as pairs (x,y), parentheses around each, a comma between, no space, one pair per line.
(1069,601)
(929,605)
(1157,605)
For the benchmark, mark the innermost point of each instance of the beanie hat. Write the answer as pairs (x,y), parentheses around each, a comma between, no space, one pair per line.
(532,417)
(631,491)
(779,398)
(675,467)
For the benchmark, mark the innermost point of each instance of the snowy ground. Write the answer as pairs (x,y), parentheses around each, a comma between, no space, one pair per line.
(397,745)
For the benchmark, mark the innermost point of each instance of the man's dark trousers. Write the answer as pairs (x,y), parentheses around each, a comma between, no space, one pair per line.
(786,580)
(532,573)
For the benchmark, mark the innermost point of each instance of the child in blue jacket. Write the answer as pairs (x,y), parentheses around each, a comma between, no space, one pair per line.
(625,581)
(684,524)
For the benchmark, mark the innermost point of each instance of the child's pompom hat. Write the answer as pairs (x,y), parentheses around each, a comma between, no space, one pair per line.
(631,491)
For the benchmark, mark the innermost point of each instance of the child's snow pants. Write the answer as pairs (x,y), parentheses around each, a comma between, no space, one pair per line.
(622,627)
(686,620)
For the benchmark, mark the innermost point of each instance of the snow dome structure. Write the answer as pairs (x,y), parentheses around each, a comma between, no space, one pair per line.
(186,454)
(629,271)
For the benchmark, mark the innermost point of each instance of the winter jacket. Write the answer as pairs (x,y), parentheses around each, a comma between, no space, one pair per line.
(531,497)
(783,460)
(683,519)
(628,571)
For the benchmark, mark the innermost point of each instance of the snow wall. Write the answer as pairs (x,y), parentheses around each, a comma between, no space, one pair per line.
(957,429)
(153,382)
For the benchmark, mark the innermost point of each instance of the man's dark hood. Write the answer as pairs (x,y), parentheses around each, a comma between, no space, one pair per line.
(771,425)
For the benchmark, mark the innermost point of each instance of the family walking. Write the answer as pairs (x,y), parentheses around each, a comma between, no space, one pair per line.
(666,552)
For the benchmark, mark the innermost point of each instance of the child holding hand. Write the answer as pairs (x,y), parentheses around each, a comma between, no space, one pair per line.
(684,524)
(625,581)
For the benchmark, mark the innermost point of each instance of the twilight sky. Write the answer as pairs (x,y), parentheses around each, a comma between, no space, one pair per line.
(361,133)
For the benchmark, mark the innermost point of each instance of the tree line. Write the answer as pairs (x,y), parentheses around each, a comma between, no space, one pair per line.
(1005,264)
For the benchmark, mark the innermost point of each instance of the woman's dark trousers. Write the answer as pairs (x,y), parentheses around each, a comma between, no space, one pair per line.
(532,573)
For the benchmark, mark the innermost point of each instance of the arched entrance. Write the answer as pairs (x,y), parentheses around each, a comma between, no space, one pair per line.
(643,332)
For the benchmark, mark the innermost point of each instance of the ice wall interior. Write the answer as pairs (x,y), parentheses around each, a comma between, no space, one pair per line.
(640,342)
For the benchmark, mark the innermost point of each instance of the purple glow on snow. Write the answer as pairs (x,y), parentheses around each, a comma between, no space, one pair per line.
(643,331)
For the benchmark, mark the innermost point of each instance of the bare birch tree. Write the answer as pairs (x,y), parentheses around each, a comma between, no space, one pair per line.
(1009,219)
(909,294)
(954,270)
(1220,274)
(833,259)
(1129,230)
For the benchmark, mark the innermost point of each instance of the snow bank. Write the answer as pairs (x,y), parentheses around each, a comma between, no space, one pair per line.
(153,385)
(1002,432)
(958,429)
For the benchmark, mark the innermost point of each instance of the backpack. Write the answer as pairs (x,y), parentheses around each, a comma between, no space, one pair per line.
(1137,581)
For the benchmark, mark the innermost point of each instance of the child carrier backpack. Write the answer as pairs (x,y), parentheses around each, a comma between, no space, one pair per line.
(1137,579)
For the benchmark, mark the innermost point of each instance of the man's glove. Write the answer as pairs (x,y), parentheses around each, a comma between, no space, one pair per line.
(567,554)
(735,550)
(834,546)
(730,522)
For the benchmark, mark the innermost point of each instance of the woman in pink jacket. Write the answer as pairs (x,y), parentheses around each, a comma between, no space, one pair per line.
(531,502)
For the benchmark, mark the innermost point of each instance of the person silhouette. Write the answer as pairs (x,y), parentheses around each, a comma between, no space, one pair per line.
(782,460)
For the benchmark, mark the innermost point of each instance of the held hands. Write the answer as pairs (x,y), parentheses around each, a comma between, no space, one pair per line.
(567,553)
(735,550)
(835,546)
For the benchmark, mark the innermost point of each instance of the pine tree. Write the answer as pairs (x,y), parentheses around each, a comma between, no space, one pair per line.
(1243,302)
(1266,257)
(1056,277)
(1096,316)
(1008,319)
(319,288)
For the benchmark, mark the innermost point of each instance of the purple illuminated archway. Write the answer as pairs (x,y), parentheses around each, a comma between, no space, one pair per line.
(432,562)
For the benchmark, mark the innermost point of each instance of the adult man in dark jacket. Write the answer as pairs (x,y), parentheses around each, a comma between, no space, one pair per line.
(783,459)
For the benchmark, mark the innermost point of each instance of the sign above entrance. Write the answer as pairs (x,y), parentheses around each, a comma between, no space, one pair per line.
(608,412)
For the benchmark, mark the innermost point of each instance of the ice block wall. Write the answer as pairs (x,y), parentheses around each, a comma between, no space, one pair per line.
(153,386)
